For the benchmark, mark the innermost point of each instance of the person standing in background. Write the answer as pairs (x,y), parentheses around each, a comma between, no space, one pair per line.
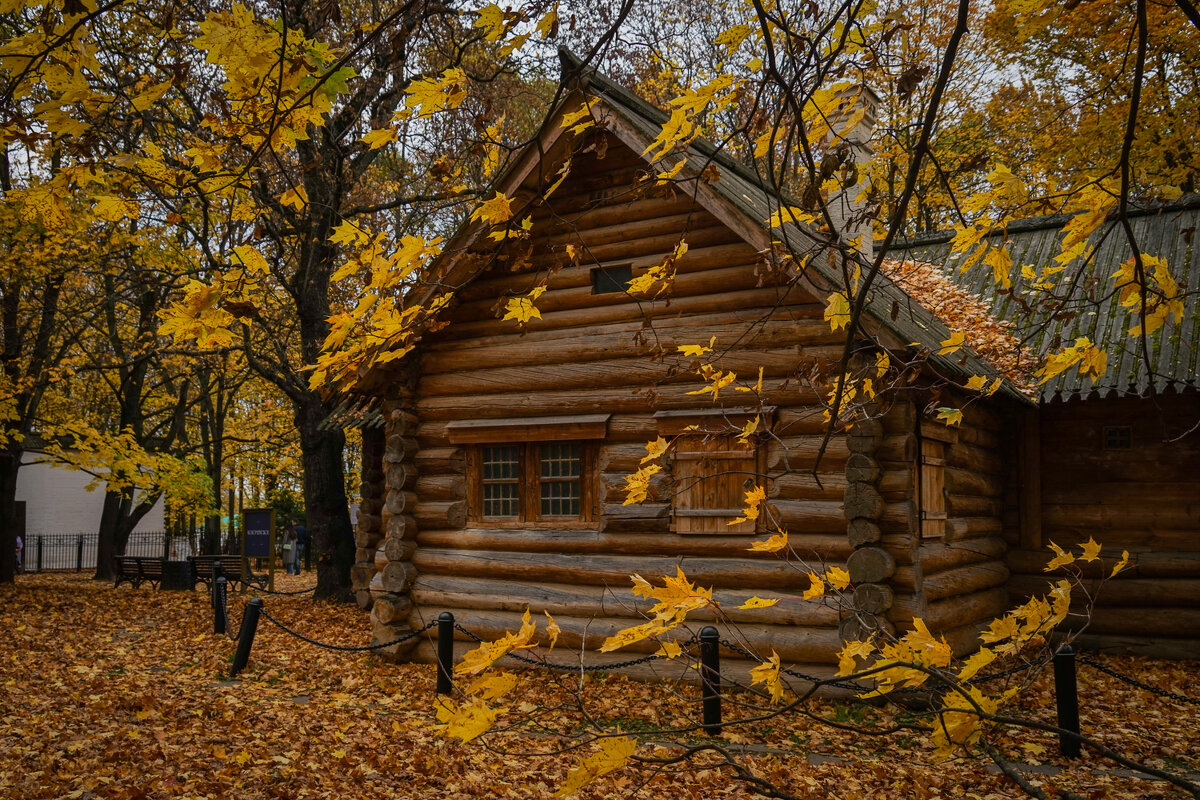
(302,545)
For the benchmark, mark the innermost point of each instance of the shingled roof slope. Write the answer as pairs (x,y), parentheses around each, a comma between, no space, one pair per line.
(889,305)
(1167,231)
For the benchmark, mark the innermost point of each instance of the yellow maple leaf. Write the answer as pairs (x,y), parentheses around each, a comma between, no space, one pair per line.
(295,197)
(696,350)
(490,687)
(476,661)
(952,344)
(758,602)
(754,499)
(850,653)
(548,24)
(552,629)
(495,211)
(816,587)
(251,259)
(1061,559)
(1091,550)
(614,754)
(655,449)
(790,214)
(951,416)
(466,720)
(669,650)
(1120,565)
(976,662)
(522,309)
(149,96)
(837,310)
(115,209)
(492,20)
(378,138)
(732,38)
(773,544)
(768,674)
(838,578)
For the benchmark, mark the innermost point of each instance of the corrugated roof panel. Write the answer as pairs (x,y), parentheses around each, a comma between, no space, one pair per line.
(1168,232)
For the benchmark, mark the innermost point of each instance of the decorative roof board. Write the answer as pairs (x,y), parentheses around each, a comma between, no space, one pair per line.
(1168,232)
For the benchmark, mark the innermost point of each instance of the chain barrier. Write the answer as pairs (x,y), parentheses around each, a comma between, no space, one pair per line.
(289,594)
(342,647)
(575,667)
(1156,690)
(728,645)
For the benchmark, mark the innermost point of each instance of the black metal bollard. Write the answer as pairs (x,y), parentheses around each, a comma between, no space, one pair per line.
(217,574)
(445,656)
(39,554)
(710,679)
(79,554)
(1066,695)
(220,592)
(246,636)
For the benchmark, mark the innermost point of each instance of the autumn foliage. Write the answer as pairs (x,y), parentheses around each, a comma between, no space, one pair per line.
(124,694)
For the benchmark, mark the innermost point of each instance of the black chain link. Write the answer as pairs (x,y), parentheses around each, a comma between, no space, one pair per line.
(575,667)
(346,648)
(1135,682)
(728,645)
(289,594)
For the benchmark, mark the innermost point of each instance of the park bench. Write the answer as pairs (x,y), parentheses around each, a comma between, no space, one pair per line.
(234,569)
(135,570)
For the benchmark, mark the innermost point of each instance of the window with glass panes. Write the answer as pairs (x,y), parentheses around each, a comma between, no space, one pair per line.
(501,478)
(533,482)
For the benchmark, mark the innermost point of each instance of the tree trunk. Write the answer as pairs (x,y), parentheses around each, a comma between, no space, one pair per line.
(117,521)
(10,462)
(325,500)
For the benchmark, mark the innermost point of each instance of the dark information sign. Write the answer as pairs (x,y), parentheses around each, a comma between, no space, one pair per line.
(259,524)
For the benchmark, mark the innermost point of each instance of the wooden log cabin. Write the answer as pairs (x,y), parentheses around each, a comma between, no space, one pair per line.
(1118,458)
(497,482)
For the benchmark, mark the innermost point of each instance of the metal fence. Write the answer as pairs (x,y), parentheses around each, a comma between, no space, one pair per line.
(77,551)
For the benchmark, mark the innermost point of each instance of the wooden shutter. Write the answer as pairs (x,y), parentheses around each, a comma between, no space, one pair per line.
(933,488)
(712,475)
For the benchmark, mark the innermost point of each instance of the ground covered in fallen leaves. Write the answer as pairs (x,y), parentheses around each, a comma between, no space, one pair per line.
(123,693)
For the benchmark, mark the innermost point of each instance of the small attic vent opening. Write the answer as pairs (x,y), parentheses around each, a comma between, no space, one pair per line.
(610,280)
(1118,437)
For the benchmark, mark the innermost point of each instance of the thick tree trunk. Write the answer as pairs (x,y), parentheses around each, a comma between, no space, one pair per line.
(10,462)
(117,521)
(325,500)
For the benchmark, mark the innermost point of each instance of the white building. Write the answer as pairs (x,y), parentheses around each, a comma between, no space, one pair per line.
(57,500)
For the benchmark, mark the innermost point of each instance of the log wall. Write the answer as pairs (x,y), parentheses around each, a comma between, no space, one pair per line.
(1144,499)
(950,574)
(600,354)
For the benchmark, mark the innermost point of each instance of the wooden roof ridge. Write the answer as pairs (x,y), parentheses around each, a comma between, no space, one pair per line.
(740,199)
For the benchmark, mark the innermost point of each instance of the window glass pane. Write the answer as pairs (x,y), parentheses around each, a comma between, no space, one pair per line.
(560,489)
(610,280)
(501,481)
(500,500)
(501,463)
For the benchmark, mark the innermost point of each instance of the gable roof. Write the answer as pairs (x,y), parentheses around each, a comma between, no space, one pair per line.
(1167,231)
(739,197)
